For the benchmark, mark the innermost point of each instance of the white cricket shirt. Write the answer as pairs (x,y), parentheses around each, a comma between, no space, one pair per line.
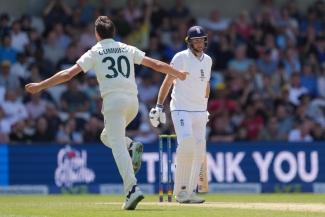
(189,95)
(113,63)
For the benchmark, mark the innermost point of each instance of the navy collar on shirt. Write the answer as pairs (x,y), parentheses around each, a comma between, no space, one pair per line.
(200,58)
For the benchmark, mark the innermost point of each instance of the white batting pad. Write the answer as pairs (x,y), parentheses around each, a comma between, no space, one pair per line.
(197,162)
(184,160)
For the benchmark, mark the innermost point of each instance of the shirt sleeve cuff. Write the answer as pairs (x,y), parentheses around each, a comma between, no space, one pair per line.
(83,66)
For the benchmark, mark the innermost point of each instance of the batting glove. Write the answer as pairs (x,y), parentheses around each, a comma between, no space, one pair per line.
(155,114)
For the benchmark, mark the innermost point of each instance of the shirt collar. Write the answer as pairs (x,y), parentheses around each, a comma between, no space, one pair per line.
(201,57)
(106,40)
(198,58)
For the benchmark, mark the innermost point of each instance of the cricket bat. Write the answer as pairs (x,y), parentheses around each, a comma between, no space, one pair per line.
(203,185)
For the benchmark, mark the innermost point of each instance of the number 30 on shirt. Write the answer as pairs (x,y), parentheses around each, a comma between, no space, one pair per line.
(119,66)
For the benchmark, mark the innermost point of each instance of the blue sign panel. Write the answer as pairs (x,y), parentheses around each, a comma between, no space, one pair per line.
(278,167)
(62,165)
(4,180)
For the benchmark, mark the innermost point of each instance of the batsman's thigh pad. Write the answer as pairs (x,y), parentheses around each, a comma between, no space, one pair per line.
(199,126)
(197,162)
(184,160)
(183,122)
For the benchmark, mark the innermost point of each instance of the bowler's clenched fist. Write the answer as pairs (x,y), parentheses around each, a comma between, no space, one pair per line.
(33,87)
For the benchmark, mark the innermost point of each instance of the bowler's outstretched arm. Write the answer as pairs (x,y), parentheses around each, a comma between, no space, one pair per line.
(163,67)
(58,78)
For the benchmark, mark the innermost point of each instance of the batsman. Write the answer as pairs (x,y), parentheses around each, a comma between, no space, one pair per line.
(189,112)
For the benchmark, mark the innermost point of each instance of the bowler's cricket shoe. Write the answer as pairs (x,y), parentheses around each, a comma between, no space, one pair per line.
(182,197)
(135,151)
(195,199)
(133,198)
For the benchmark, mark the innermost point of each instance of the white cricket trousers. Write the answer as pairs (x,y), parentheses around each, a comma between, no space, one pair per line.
(119,110)
(189,124)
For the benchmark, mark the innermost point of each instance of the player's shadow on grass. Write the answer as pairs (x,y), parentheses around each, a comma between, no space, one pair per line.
(153,209)
(143,209)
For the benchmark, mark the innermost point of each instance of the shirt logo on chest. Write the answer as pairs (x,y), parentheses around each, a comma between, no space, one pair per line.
(182,122)
(202,75)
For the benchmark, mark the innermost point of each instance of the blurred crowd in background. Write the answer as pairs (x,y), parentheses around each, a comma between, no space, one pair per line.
(267,81)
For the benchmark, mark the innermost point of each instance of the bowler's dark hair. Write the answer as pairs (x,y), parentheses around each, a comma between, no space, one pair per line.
(105,27)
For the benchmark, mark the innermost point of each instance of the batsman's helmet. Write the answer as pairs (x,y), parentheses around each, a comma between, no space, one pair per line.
(196,32)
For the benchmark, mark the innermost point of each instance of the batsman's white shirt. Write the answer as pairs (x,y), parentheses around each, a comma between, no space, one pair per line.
(189,95)
(113,63)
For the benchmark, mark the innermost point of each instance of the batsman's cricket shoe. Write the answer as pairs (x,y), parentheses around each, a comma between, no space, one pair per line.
(133,198)
(135,151)
(183,197)
(195,199)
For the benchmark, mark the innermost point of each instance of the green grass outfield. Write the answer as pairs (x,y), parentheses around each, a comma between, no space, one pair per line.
(278,205)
